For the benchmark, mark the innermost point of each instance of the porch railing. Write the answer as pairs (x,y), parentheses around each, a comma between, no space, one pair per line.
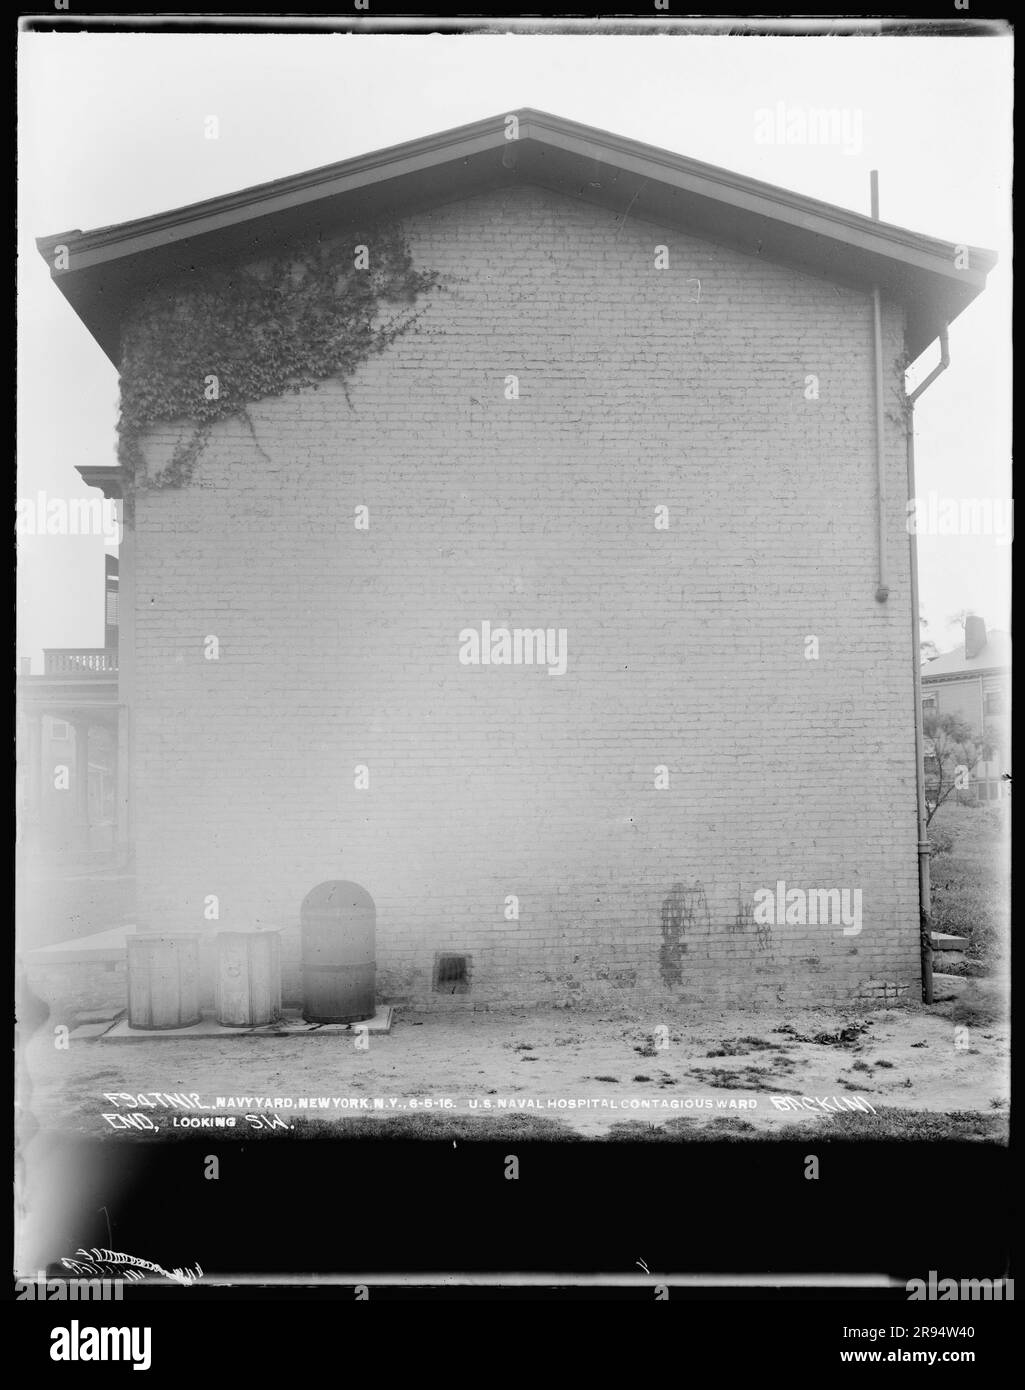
(79,661)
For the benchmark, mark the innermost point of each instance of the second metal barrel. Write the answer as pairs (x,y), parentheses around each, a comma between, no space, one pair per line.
(338,921)
(248,978)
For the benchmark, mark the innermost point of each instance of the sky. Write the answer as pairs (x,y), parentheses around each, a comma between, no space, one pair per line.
(114,126)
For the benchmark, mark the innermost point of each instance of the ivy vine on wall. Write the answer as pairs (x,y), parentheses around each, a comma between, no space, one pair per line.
(206,345)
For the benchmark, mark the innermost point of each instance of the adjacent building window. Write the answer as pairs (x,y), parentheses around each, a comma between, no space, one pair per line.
(60,730)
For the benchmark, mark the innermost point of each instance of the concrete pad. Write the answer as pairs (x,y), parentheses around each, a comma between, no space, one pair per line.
(292,1025)
(91,1030)
(380,1023)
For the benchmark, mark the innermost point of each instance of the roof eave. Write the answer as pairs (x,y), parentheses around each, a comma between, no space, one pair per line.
(576,160)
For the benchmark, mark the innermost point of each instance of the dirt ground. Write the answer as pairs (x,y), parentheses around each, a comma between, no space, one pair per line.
(945,1058)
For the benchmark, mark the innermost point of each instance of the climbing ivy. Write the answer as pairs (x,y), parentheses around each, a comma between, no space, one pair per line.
(205,345)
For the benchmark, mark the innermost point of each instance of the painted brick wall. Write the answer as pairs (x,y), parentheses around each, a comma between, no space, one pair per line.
(638,389)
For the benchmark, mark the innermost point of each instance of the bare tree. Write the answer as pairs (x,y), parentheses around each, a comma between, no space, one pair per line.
(956,750)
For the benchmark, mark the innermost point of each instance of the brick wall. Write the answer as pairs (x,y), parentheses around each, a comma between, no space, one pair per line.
(686,646)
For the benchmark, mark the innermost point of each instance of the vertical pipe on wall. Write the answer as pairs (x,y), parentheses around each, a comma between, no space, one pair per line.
(924,885)
(882,588)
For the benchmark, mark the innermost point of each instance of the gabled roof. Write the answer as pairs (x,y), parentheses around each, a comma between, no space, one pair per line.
(995,656)
(108,266)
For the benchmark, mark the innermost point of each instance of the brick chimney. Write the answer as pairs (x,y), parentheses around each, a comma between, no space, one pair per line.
(974,636)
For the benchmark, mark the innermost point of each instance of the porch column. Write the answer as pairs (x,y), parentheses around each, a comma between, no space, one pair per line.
(126,684)
(33,778)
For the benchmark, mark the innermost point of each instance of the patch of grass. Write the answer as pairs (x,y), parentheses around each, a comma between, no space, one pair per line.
(642,1077)
(613,1079)
(842,1037)
(897,1122)
(682,1127)
(847,1036)
(860,1066)
(844,1127)
(748,1078)
(978,1010)
(967,902)
(737,1047)
(941,839)
(888,1123)
(970,891)
(890,1064)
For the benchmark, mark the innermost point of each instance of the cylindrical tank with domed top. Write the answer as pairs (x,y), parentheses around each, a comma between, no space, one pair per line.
(338,923)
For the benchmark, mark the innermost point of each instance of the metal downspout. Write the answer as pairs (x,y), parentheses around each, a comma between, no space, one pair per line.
(924,885)
(882,588)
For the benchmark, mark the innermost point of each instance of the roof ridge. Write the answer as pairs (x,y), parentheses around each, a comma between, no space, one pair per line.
(553,152)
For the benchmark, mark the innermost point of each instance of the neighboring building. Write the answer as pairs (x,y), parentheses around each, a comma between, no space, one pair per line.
(973,682)
(682,484)
(68,721)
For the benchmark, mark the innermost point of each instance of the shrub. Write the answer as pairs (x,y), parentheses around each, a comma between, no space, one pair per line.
(941,839)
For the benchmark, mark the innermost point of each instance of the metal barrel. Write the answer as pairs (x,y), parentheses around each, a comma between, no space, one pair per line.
(338,923)
(163,981)
(248,978)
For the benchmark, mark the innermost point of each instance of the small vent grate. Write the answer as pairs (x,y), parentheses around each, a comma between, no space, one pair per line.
(452,974)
